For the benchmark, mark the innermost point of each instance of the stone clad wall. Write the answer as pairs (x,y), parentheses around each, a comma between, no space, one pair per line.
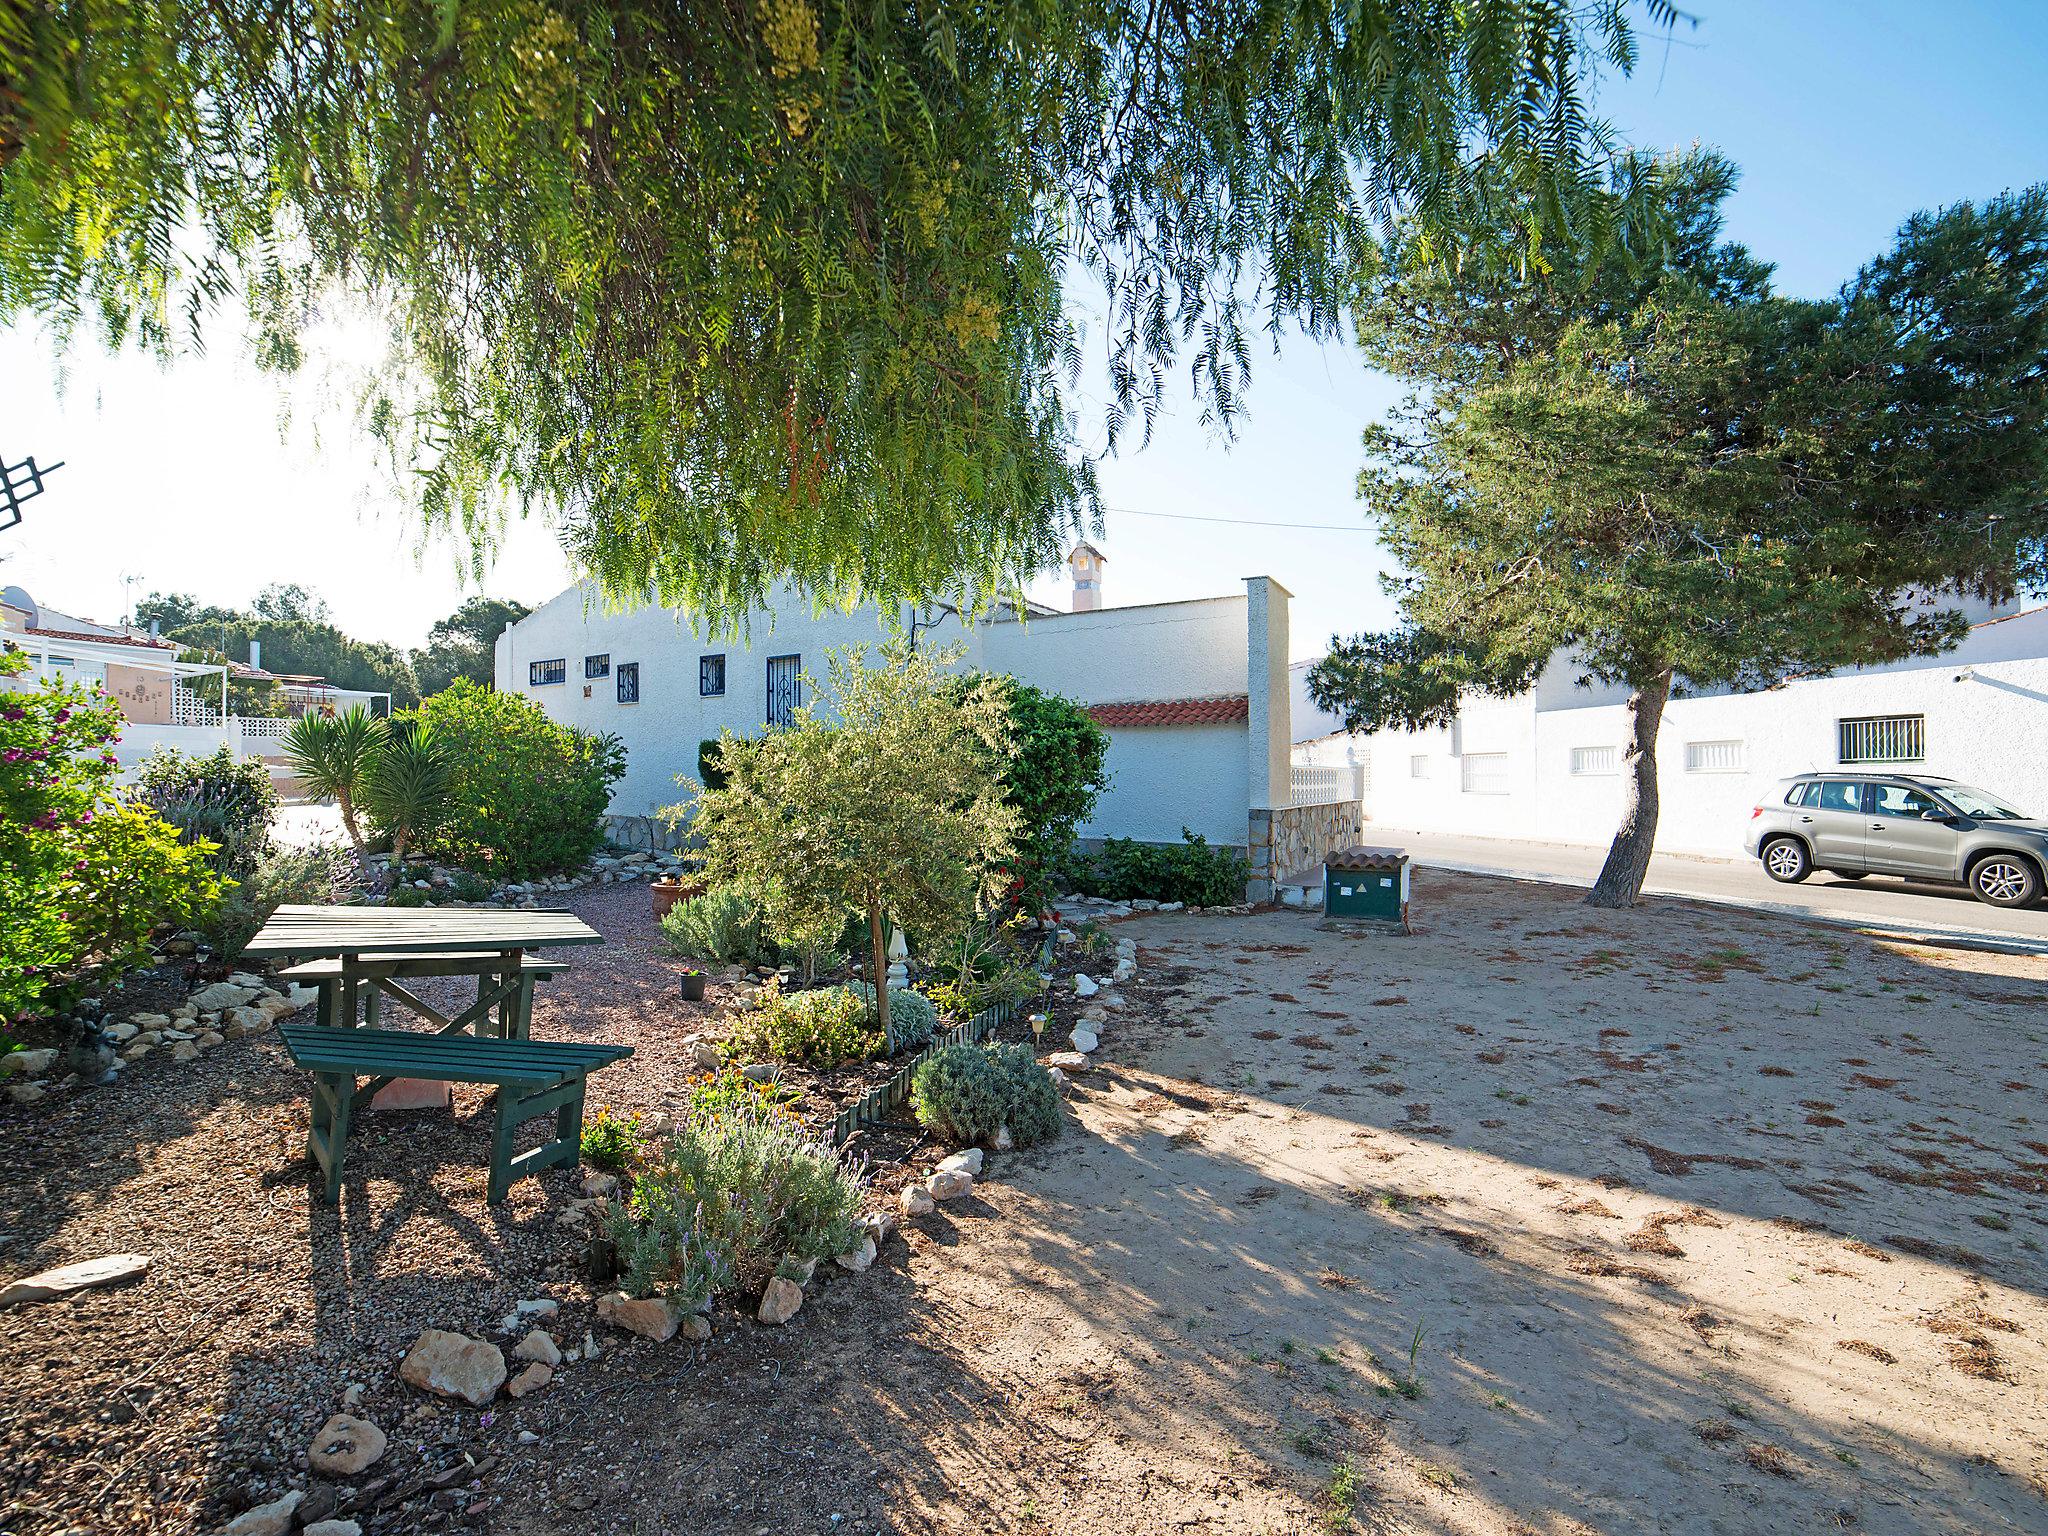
(1298,837)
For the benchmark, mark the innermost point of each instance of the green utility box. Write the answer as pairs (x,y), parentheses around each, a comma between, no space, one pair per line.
(1366,882)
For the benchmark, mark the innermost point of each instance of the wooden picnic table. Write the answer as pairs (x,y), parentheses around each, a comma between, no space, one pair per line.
(352,953)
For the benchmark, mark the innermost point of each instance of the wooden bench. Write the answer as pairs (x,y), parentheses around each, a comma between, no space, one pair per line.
(531,1076)
(504,1012)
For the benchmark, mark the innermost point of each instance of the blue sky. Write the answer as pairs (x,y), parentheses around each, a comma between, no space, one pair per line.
(1844,118)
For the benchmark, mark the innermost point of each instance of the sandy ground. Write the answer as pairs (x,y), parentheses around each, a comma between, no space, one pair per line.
(1678,1220)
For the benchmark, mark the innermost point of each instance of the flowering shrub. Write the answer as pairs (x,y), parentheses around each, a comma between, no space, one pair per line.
(729,1091)
(221,799)
(83,878)
(611,1142)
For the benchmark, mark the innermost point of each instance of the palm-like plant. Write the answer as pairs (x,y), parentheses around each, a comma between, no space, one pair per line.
(407,784)
(334,757)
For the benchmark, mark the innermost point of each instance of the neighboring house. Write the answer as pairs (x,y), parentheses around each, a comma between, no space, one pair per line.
(1548,765)
(166,702)
(1194,696)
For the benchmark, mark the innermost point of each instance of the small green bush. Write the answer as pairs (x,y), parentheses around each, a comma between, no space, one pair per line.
(821,1028)
(1034,1097)
(611,1142)
(724,924)
(469,886)
(964,1094)
(525,795)
(1192,872)
(408,896)
(726,1200)
(912,1018)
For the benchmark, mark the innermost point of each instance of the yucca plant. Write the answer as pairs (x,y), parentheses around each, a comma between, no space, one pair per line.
(334,757)
(407,785)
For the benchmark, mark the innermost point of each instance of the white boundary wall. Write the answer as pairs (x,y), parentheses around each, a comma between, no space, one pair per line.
(1985,706)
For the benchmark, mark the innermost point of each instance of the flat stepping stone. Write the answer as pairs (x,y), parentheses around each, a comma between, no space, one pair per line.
(89,1274)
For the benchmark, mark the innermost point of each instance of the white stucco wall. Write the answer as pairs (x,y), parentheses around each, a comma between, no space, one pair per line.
(1164,777)
(1990,729)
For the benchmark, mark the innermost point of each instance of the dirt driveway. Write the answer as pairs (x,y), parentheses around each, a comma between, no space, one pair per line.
(1540,1219)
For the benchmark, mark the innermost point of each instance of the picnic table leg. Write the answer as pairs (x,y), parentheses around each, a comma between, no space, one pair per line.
(501,1144)
(373,1006)
(329,1007)
(333,1099)
(569,1125)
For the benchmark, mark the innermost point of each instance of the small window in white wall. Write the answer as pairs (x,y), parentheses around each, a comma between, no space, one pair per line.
(1418,766)
(1882,739)
(1713,757)
(1486,773)
(1594,762)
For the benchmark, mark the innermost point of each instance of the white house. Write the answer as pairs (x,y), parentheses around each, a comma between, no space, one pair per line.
(180,705)
(1194,696)
(1547,765)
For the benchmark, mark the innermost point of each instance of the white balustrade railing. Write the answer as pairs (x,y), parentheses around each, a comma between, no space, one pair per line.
(1328,784)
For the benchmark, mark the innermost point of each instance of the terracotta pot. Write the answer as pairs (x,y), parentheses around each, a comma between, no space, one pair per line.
(668,892)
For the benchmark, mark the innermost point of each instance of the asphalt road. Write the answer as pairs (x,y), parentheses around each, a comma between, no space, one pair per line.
(1877,903)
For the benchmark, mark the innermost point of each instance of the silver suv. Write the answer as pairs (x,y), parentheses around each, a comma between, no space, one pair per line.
(1912,825)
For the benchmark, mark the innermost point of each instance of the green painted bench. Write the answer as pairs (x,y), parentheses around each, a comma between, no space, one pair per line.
(531,1076)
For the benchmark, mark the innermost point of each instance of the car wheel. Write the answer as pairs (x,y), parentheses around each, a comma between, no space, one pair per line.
(1785,860)
(2005,880)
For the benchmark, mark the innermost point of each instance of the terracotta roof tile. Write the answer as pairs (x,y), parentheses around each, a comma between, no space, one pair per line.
(74,634)
(1214,711)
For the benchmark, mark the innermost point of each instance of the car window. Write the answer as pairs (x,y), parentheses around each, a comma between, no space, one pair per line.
(1974,802)
(1800,794)
(1900,800)
(1840,795)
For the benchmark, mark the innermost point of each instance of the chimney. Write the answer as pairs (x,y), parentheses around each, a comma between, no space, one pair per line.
(1086,562)
(256,655)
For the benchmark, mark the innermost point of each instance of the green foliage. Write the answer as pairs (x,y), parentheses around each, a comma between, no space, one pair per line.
(257,697)
(1191,872)
(84,879)
(1678,478)
(966,1093)
(730,1197)
(406,790)
(468,886)
(281,877)
(723,924)
(980,968)
(465,644)
(893,810)
(611,1143)
(1051,777)
(825,1027)
(835,347)
(408,896)
(710,765)
(333,756)
(303,648)
(221,799)
(912,1018)
(730,1091)
(525,796)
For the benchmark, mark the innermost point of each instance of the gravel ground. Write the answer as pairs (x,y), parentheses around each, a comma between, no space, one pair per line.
(1655,1290)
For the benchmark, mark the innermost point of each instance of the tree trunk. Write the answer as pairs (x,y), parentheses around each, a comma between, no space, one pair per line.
(878,948)
(347,806)
(1628,859)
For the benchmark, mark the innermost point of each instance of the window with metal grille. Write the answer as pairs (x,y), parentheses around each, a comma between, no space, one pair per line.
(711,676)
(542,673)
(1418,766)
(785,689)
(1713,757)
(1881,739)
(1591,762)
(1486,773)
(597,666)
(629,682)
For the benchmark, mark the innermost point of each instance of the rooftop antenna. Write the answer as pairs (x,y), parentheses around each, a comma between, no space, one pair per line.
(19,483)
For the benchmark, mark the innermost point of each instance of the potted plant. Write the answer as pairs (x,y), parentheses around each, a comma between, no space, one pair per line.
(693,985)
(670,889)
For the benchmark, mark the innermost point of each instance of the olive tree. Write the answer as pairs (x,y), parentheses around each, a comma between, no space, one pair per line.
(885,801)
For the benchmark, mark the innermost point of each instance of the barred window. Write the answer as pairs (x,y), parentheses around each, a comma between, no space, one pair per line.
(1713,757)
(542,673)
(1881,739)
(1592,762)
(629,682)
(711,676)
(1486,773)
(1418,765)
(597,666)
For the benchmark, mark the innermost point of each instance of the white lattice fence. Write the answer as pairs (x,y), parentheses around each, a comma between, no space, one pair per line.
(1332,784)
(188,708)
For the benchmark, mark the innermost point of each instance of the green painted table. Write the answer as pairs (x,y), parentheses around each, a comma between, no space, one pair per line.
(357,956)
